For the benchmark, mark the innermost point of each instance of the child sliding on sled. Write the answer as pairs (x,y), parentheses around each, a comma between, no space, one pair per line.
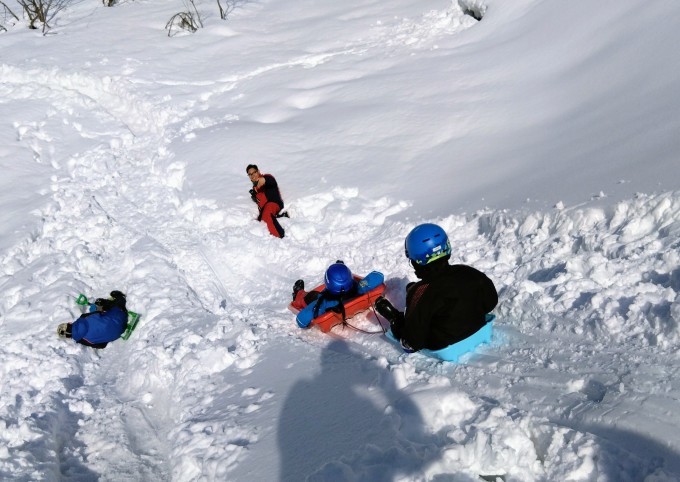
(105,322)
(340,287)
(449,303)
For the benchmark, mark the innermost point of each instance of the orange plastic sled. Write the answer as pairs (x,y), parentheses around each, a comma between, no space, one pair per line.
(352,307)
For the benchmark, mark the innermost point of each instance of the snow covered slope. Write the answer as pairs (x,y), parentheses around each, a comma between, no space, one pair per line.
(542,139)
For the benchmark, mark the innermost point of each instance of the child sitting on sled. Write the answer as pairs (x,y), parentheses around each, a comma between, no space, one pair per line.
(449,303)
(340,287)
(105,322)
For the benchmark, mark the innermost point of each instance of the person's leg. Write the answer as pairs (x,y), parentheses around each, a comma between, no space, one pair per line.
(397,326)
(302,298)
(64,330)
(299,300)
(93,345)
(269,217)
(311,296)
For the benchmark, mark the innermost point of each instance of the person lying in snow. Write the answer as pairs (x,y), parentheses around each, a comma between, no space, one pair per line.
(448,304)
(340,288)
(105,322)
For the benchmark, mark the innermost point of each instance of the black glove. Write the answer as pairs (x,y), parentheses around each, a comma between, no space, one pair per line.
(253,195)
(117,295)
(387,311)
(103,304)
(118,298)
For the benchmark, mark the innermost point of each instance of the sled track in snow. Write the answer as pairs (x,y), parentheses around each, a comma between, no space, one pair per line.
(114,218)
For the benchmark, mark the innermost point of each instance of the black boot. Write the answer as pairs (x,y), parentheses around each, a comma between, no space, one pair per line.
(299,285)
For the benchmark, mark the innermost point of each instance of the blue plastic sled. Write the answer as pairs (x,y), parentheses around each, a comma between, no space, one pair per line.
(453,352)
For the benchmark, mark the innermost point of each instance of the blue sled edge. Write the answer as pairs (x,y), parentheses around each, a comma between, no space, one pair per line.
(453,352)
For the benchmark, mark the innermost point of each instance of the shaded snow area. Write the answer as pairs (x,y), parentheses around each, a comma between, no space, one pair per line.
(542,138)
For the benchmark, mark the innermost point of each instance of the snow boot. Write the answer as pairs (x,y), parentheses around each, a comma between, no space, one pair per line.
(64,330)
(298,286)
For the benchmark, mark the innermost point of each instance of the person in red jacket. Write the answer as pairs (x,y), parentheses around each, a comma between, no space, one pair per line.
(265,193)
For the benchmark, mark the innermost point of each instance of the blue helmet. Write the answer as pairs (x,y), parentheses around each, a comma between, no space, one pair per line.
(426,243)
(338,279)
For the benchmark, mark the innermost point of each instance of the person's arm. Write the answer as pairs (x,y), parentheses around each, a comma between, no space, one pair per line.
(371,281)
(257,196)
(306,315)
(418,317)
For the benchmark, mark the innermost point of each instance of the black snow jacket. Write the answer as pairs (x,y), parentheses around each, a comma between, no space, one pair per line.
(447,305)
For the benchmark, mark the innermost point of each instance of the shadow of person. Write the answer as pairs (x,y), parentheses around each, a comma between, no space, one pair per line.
(350,423)
(54,455)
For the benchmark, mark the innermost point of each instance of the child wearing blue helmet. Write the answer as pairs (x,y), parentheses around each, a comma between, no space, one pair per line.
(448,304)
(340,287)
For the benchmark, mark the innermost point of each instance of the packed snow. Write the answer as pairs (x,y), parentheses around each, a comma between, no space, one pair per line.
(542,138)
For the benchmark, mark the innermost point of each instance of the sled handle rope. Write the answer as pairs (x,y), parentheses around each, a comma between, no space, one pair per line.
(346,323)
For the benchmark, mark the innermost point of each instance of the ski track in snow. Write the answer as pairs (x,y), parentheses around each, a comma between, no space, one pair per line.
(576,285)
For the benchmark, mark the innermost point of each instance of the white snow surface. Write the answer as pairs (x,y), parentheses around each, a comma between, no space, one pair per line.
(543,139)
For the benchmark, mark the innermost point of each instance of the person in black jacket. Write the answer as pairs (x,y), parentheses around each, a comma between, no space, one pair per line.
(448,304)
(265,193)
